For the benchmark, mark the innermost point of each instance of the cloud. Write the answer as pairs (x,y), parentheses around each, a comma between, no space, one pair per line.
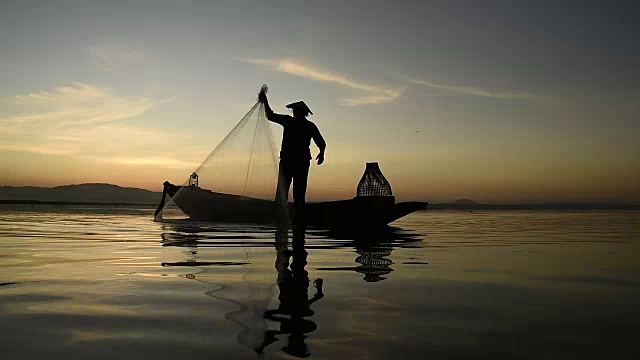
(72,105)
(108,139)
(478,91)
(110,144)
(386,96)
(85,121)
(157,161)
(115,58)
(104,140)
(35,149)
(374,94)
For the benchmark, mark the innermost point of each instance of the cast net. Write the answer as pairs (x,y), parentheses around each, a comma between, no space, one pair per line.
(237,182)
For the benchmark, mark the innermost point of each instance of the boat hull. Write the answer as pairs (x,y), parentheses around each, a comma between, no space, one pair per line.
(205,205)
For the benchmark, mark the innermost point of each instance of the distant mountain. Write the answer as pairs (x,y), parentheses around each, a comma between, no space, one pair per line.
(96,193)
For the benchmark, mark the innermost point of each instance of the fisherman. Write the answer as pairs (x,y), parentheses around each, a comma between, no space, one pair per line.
(295,155)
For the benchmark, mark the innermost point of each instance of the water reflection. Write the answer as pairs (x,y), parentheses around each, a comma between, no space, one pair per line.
(290,320)
(293,283)
(373,250)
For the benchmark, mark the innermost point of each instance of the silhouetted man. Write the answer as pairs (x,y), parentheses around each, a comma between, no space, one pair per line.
(295,156)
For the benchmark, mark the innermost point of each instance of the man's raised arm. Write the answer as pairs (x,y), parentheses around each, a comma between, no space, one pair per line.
(271,116)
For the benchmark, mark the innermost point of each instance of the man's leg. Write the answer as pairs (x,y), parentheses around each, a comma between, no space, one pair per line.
(300,189)
(285,176)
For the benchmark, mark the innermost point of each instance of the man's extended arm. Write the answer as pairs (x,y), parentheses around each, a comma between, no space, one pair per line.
(271,116)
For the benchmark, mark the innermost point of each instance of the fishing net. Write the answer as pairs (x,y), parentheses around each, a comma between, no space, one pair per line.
(237,182)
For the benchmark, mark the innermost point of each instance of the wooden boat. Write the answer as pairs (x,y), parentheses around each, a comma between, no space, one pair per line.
(374,206)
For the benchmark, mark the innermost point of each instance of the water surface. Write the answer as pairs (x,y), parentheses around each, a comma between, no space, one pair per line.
(111,283)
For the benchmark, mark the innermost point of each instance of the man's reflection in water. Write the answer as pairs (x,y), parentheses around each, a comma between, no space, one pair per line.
(294,308)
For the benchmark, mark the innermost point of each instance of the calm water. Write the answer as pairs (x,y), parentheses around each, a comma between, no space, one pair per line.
(105,284)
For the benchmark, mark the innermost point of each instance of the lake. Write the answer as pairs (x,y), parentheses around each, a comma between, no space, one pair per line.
(102,283)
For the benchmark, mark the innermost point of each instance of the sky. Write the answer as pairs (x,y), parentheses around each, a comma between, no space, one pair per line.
(496,101)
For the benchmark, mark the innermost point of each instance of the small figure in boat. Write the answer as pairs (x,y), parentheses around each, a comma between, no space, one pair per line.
(295,155)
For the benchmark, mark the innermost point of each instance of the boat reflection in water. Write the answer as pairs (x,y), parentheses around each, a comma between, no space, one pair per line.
(290,319)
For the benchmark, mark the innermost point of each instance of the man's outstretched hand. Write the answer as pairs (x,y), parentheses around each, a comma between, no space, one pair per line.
(320,159)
